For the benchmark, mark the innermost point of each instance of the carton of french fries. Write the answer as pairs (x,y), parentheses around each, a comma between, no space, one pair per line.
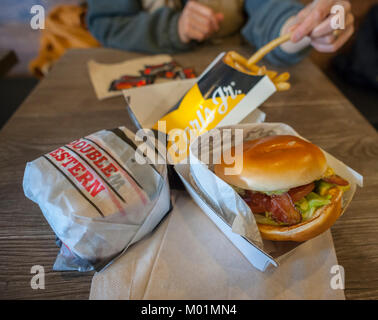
(229,89)
(227,92)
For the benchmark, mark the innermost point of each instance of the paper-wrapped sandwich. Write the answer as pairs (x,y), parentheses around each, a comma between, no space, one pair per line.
(97,198)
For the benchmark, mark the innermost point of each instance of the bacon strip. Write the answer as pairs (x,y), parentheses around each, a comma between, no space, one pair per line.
(335,179)
(281,207)
(258,202)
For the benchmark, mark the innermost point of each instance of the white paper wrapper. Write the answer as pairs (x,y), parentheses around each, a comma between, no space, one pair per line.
(227,203)
(97,198)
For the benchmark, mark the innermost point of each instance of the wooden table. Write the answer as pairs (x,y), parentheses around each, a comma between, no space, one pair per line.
(64,107)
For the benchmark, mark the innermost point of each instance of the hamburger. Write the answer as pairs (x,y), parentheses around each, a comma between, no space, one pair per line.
(292,192)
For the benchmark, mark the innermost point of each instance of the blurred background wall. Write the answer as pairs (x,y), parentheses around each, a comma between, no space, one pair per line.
(16,33)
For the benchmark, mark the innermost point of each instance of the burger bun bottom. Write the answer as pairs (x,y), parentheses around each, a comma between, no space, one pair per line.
(322,220)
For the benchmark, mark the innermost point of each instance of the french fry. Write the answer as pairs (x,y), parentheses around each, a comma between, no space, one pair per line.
(238,58)
(241,68)
(228,60)
(254,68)
(238,62)
(271,74)
(283,86)
(267,48)
(262,71)
(283,77)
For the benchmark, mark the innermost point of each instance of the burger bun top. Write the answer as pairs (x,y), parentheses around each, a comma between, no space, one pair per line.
(275,163)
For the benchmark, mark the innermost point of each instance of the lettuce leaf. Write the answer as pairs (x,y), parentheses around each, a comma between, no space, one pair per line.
(264,220)
(310,203)
(267,219)
(277,192)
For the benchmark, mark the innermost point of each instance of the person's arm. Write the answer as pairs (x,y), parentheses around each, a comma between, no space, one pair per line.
(123,24)
(265,21)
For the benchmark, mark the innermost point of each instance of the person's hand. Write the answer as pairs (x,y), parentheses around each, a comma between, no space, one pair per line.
(198,22)
(315,21)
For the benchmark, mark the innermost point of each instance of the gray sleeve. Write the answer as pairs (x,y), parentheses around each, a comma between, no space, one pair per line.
(123,24)
(265,20)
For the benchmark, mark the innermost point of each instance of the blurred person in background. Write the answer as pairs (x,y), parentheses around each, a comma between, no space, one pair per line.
(172,26)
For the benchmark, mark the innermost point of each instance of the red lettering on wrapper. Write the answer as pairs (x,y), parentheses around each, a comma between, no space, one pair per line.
(59,154)
(55,153)
(79,145)
(99,161)
(97,188)
(76,168)
(85,178)
(62,156)
(109,169)
(72,160)
(86,148)
(120,169)
(94,155)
